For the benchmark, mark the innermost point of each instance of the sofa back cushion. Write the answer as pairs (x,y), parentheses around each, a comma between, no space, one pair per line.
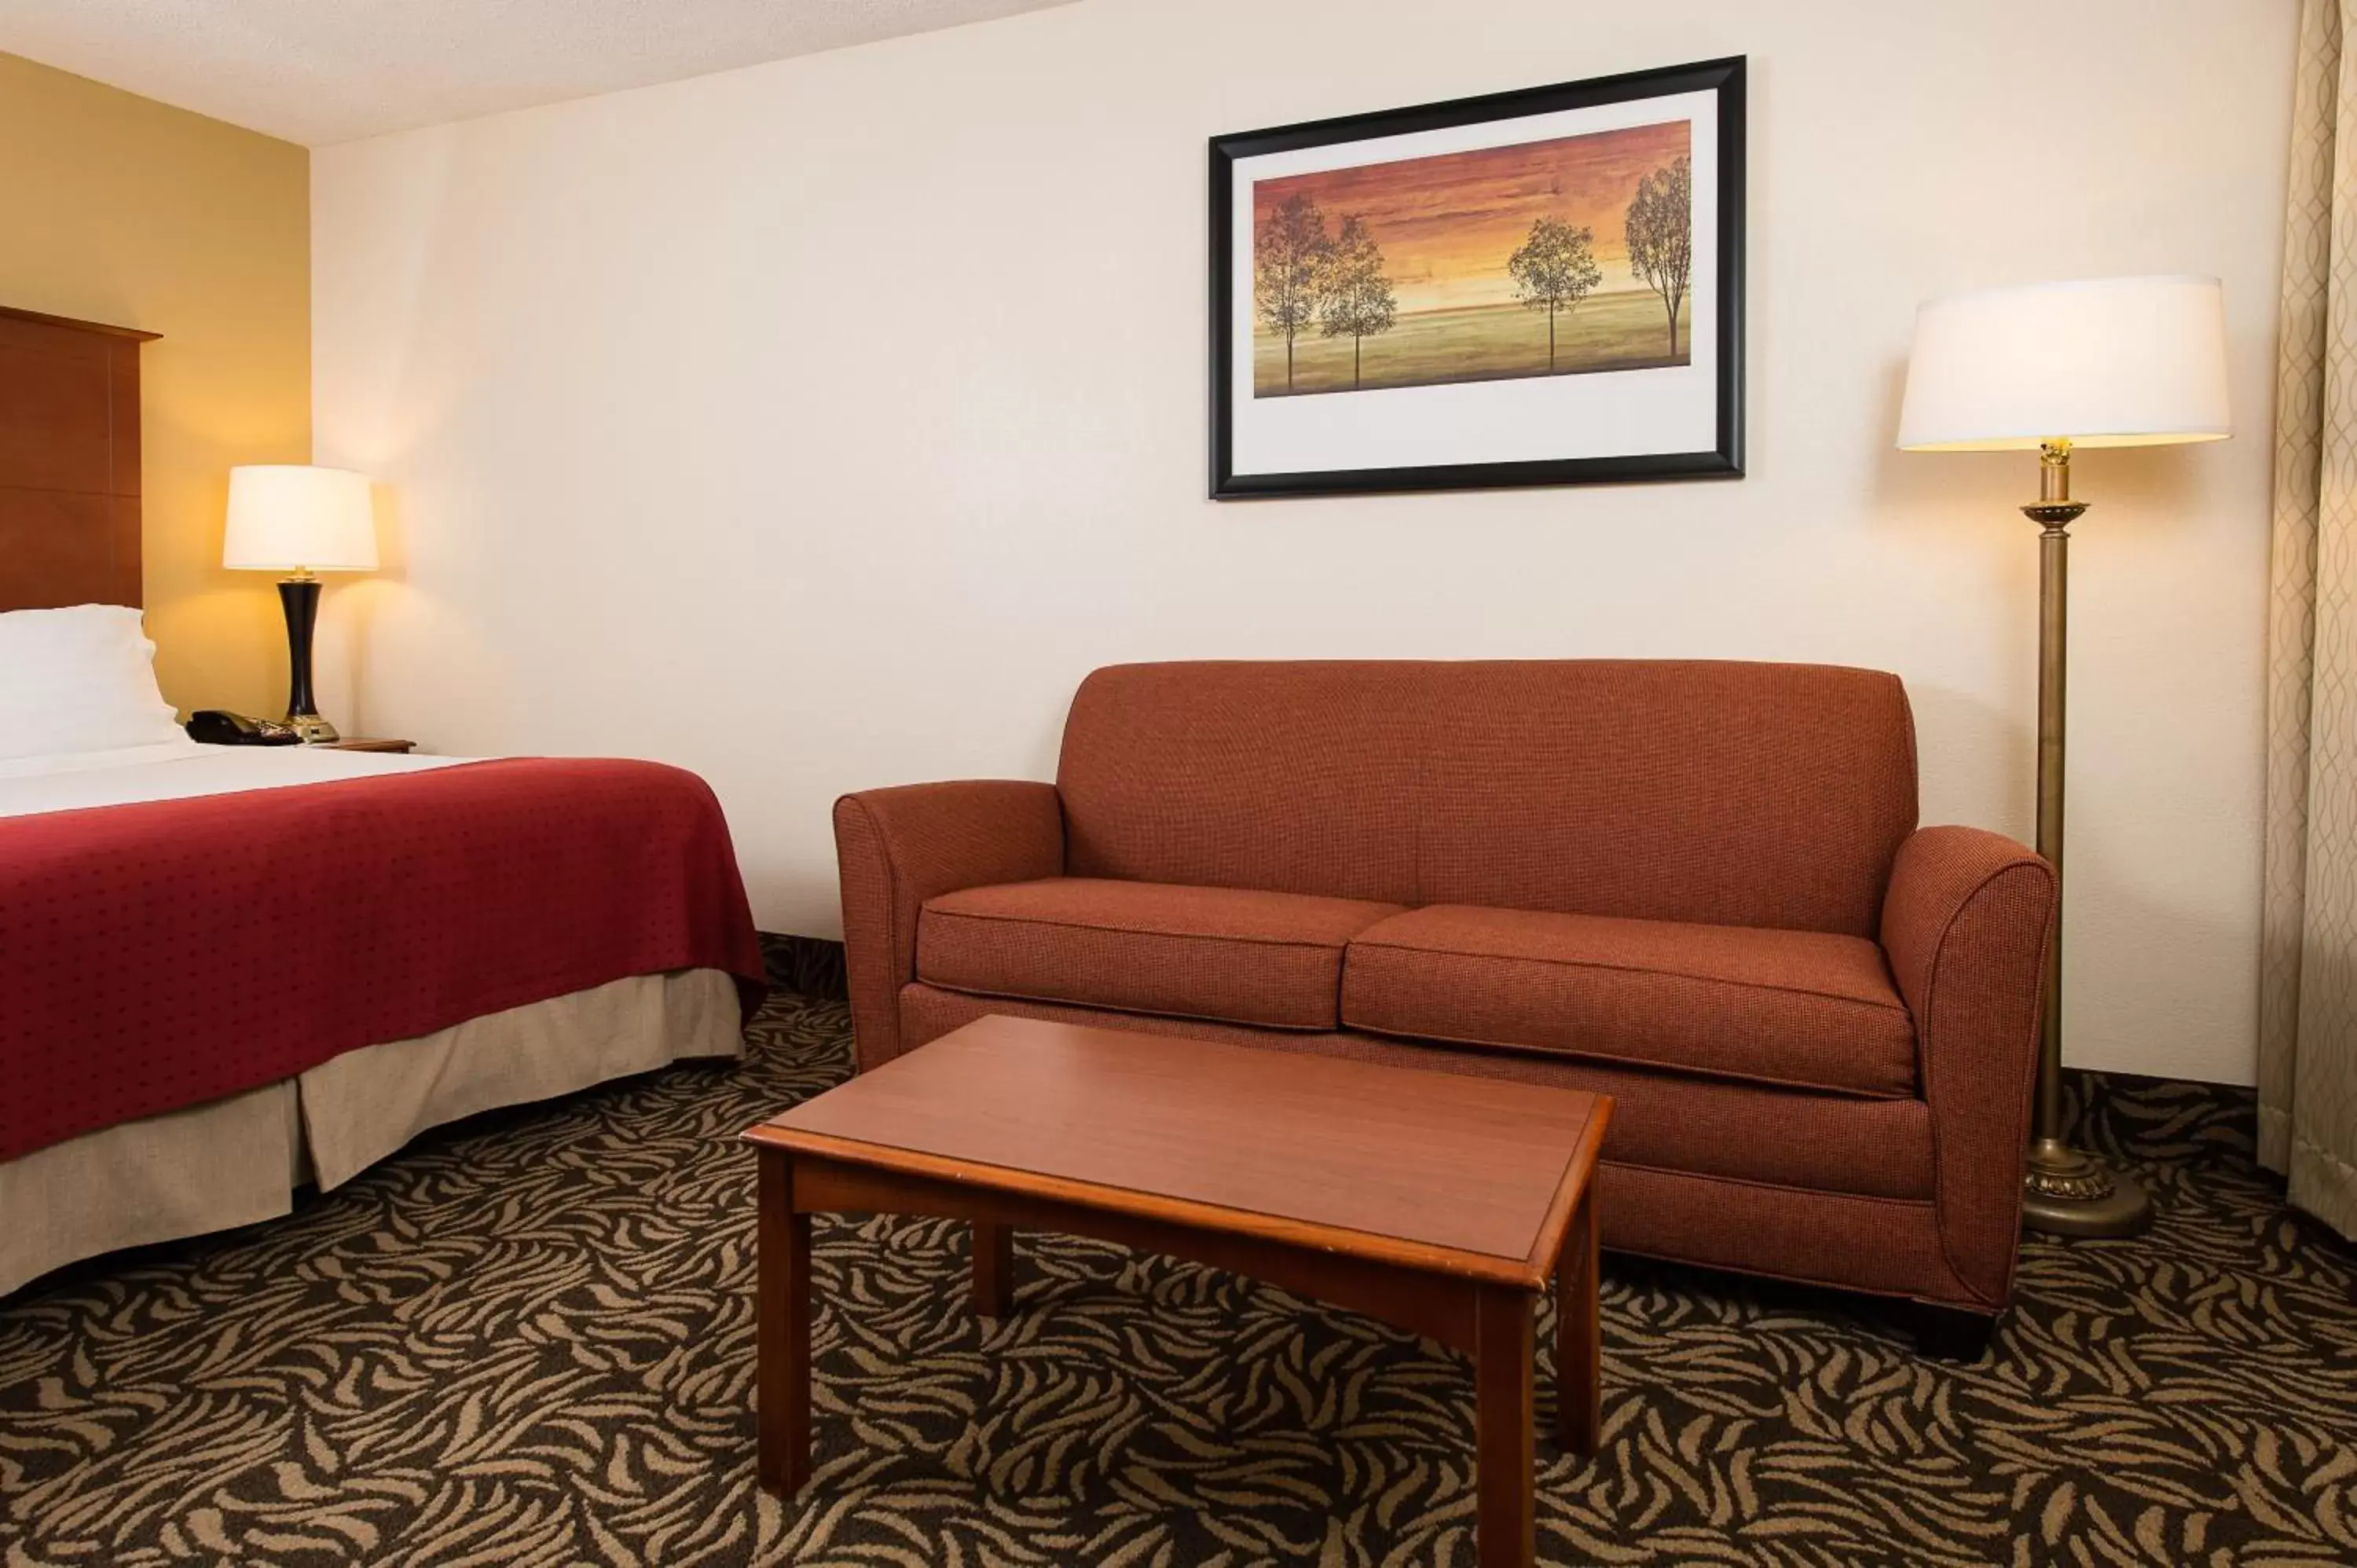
(1734,794)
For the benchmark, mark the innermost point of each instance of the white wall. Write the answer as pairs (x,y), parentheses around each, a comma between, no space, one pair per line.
(819,424)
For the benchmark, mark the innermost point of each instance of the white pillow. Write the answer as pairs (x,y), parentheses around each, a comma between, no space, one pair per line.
(78,680)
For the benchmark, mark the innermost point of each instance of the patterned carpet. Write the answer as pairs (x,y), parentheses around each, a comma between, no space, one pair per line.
(528,1340)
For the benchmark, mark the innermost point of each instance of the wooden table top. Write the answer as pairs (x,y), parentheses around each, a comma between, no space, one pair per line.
(1465,1175)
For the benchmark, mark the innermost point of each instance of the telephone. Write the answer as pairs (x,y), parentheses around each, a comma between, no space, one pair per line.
(218,726)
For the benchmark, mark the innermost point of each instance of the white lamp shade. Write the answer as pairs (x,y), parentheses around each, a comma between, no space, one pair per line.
(2134,361)
(288,518)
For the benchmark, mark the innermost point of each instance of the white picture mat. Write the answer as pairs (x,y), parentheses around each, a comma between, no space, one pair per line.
(1530,419)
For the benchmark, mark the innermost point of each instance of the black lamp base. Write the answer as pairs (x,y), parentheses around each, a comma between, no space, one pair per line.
(299,598)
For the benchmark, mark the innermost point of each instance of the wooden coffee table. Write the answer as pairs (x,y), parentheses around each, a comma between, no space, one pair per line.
(1435,1201)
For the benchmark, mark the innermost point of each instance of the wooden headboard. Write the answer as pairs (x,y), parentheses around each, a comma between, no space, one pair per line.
(68,461)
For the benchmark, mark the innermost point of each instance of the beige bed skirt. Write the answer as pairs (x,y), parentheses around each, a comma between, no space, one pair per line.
(236,1161)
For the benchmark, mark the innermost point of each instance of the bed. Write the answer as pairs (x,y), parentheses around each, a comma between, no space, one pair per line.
(229,971)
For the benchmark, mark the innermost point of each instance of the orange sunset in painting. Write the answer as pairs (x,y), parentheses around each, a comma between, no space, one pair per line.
(1546,258)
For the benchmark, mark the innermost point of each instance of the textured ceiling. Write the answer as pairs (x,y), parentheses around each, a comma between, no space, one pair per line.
(329,70)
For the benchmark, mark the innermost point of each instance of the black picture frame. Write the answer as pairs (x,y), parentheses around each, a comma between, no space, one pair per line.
(1724,459)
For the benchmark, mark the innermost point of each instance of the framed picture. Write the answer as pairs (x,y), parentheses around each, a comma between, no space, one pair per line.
(1543,287)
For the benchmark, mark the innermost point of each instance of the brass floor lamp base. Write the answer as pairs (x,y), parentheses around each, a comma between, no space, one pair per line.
(2065,1193)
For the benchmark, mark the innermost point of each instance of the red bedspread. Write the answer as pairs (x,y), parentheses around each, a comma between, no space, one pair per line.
(159,955)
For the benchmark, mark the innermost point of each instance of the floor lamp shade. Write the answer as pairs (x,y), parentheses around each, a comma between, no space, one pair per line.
(2132,361)
(285,517)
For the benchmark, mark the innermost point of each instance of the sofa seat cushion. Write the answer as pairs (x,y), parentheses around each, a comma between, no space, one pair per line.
(1225,953)
(1805,1009)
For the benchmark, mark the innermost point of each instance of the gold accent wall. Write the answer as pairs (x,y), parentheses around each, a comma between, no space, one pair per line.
(115,208)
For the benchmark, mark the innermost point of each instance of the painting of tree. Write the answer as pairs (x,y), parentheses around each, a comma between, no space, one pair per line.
(1355,297)
(1426,271)
(1554,271)
(1473,292)
(1288,262)
(1661,235)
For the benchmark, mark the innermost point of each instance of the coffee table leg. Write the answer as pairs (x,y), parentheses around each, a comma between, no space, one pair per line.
(1506,1414)
(994,1269)
(782,1335)
(1579,1337)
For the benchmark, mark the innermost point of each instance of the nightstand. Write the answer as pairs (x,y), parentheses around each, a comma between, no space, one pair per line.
(361,743)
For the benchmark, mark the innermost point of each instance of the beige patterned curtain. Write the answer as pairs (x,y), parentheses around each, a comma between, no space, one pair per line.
(2307,1000)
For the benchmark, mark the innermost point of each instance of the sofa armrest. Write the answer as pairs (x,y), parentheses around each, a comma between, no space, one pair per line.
(896,848)
(1966,924)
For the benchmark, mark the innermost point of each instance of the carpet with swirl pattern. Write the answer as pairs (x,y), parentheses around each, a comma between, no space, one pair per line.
(528,1340)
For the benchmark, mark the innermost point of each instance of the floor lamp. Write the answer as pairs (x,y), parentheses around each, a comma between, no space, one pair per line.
(2135,361)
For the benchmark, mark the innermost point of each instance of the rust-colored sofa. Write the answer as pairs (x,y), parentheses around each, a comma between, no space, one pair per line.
(1697,888)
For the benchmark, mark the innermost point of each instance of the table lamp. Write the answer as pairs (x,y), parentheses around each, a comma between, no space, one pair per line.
(285,517)
(2133,362)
